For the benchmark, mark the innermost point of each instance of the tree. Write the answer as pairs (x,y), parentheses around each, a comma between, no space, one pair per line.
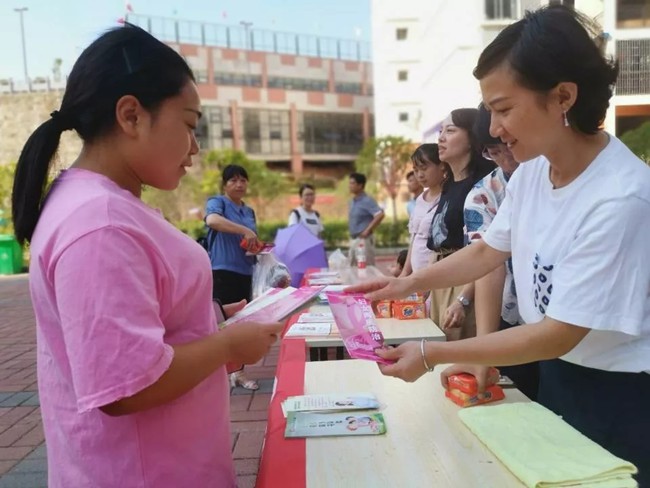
(638,140)
(385,160)
(56,69)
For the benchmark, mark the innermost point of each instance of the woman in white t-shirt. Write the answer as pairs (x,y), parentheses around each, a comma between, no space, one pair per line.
(431,173)
(305,213)
(574,221)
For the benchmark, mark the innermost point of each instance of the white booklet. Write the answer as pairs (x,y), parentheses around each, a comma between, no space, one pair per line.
(330,403)
(309,317)
(300,329)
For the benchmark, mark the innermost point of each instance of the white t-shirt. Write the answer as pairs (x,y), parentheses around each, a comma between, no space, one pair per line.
(581,254)
(311,220)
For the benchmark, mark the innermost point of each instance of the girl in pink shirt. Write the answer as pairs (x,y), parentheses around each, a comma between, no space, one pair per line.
(131,369)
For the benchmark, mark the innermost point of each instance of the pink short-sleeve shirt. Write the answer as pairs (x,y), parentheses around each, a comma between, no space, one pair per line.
(114,287)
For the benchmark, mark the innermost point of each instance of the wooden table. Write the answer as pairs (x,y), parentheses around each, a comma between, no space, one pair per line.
(426,444)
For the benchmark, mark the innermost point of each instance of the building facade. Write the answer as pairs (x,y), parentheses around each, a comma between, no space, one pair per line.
(298,102)
(424,53)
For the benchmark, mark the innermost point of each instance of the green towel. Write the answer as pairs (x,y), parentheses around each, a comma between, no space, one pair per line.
(542,450)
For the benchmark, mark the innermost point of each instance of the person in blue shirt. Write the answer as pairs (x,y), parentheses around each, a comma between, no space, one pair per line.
(229,220)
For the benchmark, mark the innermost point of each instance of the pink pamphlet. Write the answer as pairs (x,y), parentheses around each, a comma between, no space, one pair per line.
(356,323)
(276,304)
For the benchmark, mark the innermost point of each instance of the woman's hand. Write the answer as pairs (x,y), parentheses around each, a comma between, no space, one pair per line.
(408,366)
(384,288)
(485,375)
(248,342)
(251,239)
(454,316)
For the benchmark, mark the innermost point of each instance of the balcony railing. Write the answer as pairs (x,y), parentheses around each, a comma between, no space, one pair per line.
(634,61)
(241,37)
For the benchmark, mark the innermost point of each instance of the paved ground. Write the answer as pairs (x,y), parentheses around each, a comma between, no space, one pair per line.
(23,462)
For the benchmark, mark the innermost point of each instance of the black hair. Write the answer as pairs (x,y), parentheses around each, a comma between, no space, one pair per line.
(401,257)
(359,178)
(551,45)
(426,153)
(230,171)
(123,61)
(305,186)
(465,118)
(481,129)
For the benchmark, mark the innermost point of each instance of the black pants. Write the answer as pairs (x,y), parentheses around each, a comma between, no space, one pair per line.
(525,376)
(612,409)
(230,287)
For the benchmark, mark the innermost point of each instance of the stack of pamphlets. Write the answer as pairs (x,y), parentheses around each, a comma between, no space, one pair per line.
(312,324)
(324,278)
(333,415)
(357,325)
(276,305)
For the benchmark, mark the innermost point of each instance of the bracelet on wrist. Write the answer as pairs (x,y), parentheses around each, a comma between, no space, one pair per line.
(424,359)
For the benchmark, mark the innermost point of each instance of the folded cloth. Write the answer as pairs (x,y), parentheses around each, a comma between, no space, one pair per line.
(542,450)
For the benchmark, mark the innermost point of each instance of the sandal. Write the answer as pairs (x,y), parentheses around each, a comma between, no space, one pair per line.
(239,379)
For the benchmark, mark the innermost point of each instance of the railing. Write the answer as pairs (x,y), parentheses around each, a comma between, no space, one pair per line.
(634,61)
(241,37)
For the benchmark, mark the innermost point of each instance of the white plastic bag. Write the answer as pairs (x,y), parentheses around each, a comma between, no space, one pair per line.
(337,261)
(268,272)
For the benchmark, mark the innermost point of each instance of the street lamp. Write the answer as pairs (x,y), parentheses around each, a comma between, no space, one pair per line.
(20,11)
(247,26)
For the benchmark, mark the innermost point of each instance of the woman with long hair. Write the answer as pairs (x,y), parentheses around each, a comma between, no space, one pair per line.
(131,366)
(451,308)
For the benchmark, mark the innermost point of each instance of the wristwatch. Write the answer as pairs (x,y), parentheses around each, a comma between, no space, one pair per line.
(465,302)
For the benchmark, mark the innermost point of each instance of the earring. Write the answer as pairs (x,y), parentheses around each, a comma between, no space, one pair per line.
(566,120)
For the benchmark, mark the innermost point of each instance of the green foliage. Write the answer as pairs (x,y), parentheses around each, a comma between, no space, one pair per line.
(193,228)
(386,161)
(638,140)
(6,184)
(335,233)
(266,231)
(263,183)
(392,234)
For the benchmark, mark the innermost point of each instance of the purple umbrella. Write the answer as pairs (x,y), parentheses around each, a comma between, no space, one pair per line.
(299,249)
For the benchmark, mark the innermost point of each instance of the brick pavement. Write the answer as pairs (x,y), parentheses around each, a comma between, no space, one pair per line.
(23,462)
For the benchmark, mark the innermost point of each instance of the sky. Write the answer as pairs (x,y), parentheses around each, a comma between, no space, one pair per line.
(63,28)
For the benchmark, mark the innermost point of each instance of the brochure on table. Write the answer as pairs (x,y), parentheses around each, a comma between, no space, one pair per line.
(329,403)
(309,424)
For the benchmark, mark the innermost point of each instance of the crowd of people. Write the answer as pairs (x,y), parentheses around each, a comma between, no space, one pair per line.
(540,264)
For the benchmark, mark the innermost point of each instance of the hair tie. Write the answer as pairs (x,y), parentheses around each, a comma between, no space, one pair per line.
(62,121)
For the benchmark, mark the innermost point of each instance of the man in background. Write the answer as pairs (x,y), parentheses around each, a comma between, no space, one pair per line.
(363,218)
(415,189)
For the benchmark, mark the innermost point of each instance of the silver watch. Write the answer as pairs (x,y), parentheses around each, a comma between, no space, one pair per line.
(464,301)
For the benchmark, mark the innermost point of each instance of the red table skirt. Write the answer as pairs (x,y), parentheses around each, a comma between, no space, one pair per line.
(283,460)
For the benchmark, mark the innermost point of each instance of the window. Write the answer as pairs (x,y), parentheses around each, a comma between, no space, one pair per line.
(215,128)
(348,87)
(330,133)
(632,14)
(266,131)
(500,9)
(237,79)
(304,84)
(402,75)
(567,3)
(401,33)
(403,117)
(201,75)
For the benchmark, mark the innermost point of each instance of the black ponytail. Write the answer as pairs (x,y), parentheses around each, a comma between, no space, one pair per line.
(123,61)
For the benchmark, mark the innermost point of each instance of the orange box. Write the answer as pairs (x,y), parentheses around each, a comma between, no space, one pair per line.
(463,390)
(408,310)
(383,309)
